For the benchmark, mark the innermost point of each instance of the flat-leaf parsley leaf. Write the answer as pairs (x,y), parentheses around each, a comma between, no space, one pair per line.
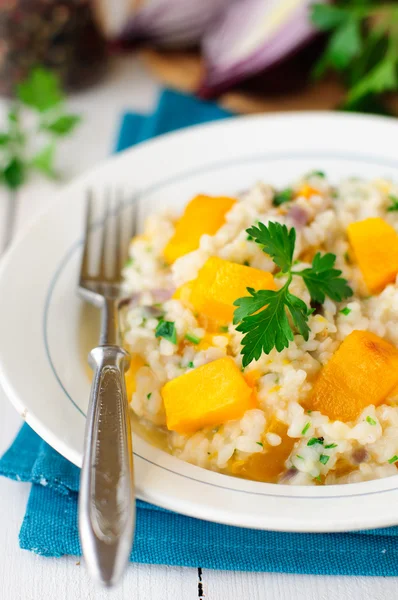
(263,316)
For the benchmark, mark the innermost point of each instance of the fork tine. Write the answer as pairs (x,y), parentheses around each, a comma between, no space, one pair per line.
(118,246)
(84,267)
(104,237)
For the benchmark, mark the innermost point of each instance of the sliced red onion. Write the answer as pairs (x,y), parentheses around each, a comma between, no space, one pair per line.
(359,455)
(298,215)
(173,22)
(251,37)
(162,294)
(288,475)
(152,312)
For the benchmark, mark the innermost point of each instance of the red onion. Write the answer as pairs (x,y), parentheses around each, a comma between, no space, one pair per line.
(251,37)
(298,216)
(359,455)
(172,22)
(162,294)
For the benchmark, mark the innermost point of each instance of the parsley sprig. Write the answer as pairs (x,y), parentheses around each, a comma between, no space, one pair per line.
(362,47)
(24,149)
(267,317)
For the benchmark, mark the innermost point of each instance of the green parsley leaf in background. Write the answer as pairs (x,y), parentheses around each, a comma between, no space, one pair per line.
(14,173)
(62,125)
(326,16)
(23,150)
(362,47)
(41,90)
(44,160)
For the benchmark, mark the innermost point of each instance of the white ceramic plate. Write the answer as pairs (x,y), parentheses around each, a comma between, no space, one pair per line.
(42,366)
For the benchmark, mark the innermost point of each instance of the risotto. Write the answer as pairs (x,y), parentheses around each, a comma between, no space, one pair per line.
(264,331)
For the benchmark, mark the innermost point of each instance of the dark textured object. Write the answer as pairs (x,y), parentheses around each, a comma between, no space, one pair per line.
(60,35)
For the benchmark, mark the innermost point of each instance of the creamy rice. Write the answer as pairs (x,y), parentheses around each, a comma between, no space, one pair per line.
(358,450)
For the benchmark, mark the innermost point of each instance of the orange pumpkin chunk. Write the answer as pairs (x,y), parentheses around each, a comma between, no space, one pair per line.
(203,214)
(206,396)
(183,293)
(375,246)
(307,191)
(221,282)
(361,372)
(136,363)
(267,466)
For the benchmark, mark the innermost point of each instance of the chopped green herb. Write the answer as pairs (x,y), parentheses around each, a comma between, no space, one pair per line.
(317,174)
(324,458)
(314,440)
(331,445)
(246,263)
(393,459)
(309,412)
(318,478)
(129,262)
(166,330)
(283,196)
(192,338)
(300,457)
(347,258)
(305,428)
(263,315)
(394,203)
(371,421)
(260,444)
(223,328)
(345,311)
(149,395)
(190,365)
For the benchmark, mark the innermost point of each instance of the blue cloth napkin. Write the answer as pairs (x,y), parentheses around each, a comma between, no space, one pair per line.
(162,537)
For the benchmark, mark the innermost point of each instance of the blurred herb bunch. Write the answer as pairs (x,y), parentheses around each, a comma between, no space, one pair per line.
(36,119)
(362,47)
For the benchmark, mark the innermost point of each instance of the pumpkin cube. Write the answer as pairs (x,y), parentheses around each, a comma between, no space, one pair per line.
(363,371)
(220,282)
(203,214)
(206,396)
(136,363)
(375,246)
(268,465)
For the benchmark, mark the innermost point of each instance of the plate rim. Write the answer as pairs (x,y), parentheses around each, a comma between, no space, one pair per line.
(30,417)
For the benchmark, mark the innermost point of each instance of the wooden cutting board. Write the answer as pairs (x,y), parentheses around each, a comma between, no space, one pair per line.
(183,71)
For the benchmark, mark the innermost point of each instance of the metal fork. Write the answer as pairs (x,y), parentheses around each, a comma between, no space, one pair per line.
(106,499)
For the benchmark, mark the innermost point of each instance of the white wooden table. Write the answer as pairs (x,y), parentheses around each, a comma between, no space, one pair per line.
(24,576)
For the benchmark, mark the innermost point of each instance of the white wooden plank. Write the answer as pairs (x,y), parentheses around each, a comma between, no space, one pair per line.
(225,585)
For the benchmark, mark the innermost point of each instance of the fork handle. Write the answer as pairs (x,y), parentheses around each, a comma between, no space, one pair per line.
(106,498)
